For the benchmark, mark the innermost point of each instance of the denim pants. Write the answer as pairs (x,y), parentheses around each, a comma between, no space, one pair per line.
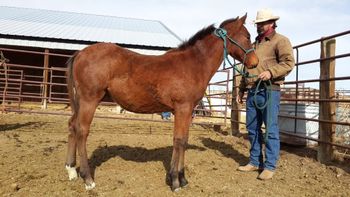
(254,119)
(165,115)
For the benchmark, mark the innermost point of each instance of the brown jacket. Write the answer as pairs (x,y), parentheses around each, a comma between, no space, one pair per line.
(275,54)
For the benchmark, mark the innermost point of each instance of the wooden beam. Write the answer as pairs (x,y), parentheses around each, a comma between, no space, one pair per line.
(327,109)
(235,110)
(45,79)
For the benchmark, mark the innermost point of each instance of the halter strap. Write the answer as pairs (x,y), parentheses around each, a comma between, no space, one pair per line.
(222,33)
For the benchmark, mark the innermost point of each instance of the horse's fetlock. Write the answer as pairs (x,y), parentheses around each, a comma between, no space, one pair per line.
(180,141)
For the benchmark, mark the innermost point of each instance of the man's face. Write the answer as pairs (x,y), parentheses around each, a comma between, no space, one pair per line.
(263,26)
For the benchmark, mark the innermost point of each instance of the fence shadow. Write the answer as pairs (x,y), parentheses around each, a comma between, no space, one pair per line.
(311,152)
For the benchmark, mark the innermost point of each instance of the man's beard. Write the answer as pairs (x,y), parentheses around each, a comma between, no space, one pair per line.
(260,31)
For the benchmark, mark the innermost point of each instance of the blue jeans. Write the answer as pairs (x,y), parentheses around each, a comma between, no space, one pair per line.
(166,115)
(254,119)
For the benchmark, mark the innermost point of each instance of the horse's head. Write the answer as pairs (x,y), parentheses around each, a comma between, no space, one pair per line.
(238,43)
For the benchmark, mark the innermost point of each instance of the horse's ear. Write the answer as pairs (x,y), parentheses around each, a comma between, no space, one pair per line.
(243,18)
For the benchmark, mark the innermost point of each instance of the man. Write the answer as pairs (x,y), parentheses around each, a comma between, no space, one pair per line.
(276,61)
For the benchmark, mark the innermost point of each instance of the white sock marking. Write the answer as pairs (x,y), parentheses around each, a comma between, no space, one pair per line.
(72,173)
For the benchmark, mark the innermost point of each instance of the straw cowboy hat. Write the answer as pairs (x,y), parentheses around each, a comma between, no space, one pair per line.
(265,15)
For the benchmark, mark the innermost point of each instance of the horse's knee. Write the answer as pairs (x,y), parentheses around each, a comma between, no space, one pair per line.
(83,131)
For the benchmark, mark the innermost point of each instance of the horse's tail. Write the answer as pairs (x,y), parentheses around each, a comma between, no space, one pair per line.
(73,96)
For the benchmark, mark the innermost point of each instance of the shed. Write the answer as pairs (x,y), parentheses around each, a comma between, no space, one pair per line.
(38,43)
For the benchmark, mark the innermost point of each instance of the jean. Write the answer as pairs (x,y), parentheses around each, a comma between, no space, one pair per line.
(166,115)
(254,119)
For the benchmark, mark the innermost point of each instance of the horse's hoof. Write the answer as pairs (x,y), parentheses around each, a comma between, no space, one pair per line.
(183,182)
(90,186)
(184,185)
(72,173)
(176,189)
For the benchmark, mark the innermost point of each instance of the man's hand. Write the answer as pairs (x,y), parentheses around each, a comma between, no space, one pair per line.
(240,97)
(266,75)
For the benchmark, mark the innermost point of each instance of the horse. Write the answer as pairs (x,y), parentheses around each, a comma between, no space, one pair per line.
(174,81)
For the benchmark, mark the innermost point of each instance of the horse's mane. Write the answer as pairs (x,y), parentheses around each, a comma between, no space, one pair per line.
(202,33)
(198,36)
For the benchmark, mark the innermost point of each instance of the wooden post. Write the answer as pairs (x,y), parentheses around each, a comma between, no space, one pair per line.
(235,113)
(45,79)
(327,109)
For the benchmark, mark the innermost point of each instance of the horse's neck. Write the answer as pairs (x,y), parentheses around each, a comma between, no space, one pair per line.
(210,51)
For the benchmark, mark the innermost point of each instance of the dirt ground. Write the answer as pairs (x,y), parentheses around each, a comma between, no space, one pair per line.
(131,158)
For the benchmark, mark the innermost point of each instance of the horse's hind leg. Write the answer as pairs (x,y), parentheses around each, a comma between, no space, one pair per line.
(84,118)
(71,152)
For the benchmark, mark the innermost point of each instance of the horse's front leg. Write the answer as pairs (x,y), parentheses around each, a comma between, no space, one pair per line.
(182,122)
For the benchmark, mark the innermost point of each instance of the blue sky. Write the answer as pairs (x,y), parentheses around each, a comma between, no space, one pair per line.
(301,21)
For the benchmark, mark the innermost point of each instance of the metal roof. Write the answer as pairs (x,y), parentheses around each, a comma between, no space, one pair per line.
(67,30)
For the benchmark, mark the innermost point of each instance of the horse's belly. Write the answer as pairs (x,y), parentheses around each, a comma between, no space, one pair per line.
(138,101)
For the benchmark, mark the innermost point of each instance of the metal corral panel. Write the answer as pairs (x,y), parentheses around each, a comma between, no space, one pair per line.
(50,24)
(343,115)
(303,127)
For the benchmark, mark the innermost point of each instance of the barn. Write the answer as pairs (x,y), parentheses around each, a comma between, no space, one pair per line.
(37,43)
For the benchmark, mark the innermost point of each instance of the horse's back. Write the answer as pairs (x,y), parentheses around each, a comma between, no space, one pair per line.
(102,60)
(104,52)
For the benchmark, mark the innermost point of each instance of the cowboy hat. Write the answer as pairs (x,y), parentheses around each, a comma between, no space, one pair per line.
(265,15)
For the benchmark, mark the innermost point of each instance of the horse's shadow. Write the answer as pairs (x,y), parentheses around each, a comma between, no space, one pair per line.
(9,127)
(136,154)
(226,149)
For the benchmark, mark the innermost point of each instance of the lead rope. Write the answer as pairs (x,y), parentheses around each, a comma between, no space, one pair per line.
(267,105)
(222,33)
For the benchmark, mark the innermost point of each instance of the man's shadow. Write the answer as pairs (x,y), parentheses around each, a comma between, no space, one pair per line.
(226,149)
(137,154)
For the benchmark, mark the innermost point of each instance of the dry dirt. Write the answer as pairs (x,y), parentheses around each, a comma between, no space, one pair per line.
(131,158)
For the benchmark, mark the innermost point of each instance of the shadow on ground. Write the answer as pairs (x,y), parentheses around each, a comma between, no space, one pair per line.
(136,154)
(9,127)
(225,149)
